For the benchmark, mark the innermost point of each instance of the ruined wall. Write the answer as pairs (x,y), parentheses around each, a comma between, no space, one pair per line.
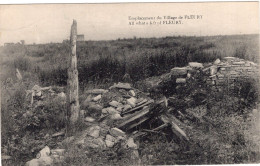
(220,73)
(230,69)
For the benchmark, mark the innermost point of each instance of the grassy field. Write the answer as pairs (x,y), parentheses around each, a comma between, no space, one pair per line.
(101,63)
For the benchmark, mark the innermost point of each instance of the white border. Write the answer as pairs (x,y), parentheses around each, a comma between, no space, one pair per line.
(109,1)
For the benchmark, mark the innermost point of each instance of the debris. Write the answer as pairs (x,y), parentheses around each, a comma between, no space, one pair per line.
(62,95)
(178,71)
(109,110)
(130,143)
(115,104)
(59,152)
(132,93)
(96,91)
(94,131)
(98,97)
(116,116)
(117,132)
(131,101)
(196,65)
(61,133)
(139,107)
(120,85)
(217,61)
(109,144)
(180,80)
(89,119)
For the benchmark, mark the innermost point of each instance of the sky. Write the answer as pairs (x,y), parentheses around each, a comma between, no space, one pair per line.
(51,22)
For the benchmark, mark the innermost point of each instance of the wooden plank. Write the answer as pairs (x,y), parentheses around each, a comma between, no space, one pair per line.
(175,128)
(137,116)
(138,123)
(138,107)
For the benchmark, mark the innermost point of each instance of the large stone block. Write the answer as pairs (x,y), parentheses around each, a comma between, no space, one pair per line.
(177,71)
(196,65)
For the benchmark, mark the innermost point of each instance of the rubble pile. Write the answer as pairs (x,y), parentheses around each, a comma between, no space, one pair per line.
(217,74)
(121,114)
(230,69)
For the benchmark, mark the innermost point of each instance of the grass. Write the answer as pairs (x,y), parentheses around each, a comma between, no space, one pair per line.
(100,64)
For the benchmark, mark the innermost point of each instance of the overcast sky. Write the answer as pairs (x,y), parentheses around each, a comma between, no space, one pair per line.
(51,23)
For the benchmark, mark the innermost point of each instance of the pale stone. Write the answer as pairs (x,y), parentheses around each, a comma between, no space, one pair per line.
(61,133)
(131,101)
(110,138)
(109,110)
(116,117)
(180,80)
(130,143)
(213,70)
(117,132)
(120,85)
(89,119)
(58,151)
(127,107)
(115,104)
(132,93)
(217,61)
(94,131)
(44,161)
(179,71)
(96,91)
(195,65)
(62,95)
(109,144)
(99,142)
(46,151)
(98,97)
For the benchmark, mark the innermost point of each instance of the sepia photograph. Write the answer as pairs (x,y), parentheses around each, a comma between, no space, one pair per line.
(87,84)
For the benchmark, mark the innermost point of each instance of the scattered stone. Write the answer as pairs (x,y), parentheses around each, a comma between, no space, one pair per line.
(95,107)
(61,133)
(132,93)
(109,144)
(68,140)
(120,108)
(96,91)
(43,161)
(94,131)
(98,97)
(117,132)
(177,71)
(110,138)
(131,101)
(120,85)
(58,152)
(127,107)
(195,65)
(130,143)
(217,61)
(62,95)
(180,80)
(116,117)
(46,151)
(89,119)
(99,142)
(109,110)
(115,104)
